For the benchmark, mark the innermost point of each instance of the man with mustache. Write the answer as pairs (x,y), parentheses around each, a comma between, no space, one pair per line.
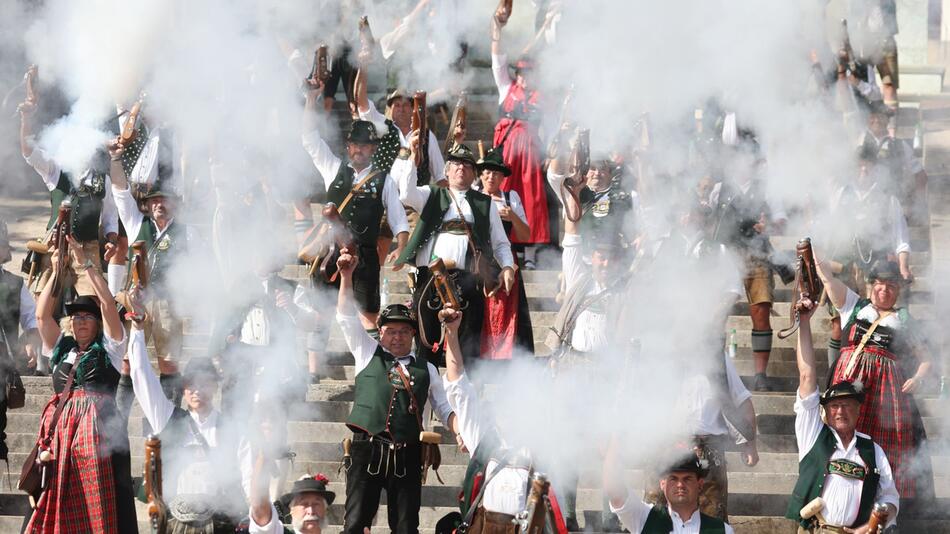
(308,500)
(841,472)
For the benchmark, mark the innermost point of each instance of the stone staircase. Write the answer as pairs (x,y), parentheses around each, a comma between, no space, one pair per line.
(758,495)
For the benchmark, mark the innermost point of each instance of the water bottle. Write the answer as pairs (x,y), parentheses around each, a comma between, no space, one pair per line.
(384,293)
(732,343)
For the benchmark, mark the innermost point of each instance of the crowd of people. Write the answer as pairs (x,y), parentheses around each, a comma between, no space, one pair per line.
(102,295)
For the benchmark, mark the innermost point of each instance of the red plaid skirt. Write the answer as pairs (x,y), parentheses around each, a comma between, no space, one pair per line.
(80,497)
(886,414)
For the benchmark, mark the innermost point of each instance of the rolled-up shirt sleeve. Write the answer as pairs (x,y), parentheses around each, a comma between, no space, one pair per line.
(500,245)
(357,340)
(464,402)
(323,158)
(437,398)
(411,195)
(45,167)
(808,422)
(395,213)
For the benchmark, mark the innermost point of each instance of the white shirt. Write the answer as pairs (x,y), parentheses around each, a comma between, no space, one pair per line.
(910,164)
(363,348)
(895,221)
(49,172)
(436,161)
(507,491)
(451,246)
(590,328)
(703,406)
(256,328)
(274,527)
(867,313)
(513,202)
(27,311)
(328,165)
(841,495)
(499,70)
(633,514)
(158,411)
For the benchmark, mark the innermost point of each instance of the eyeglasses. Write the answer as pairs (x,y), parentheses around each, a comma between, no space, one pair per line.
(83,317)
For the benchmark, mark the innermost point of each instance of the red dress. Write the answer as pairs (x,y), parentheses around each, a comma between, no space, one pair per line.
(888,415)
(517,128)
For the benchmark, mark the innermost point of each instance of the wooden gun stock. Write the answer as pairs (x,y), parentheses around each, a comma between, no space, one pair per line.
(503,13)
(320,71)
(459,120)
(420,121)
(152,477)
(367,41)
(579,166)
(139,267)
(532,520)
(30,79)
(59,242)
(129,129)
(807,283)
(878,520)
(336,238)
(444,285)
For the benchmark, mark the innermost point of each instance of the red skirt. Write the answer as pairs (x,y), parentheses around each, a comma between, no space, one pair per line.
(522,154)
(507,324)
(887,414)
(80,497)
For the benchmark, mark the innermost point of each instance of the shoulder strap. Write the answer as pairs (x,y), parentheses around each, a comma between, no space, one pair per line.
(355,188)
(477,499)
(196,432)
(413,403)
(60,402)
(864,341)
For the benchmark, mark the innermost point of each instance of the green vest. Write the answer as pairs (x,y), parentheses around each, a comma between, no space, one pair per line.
(660,522)
(160,255)
(381,405)
(430,221)
(813,468)
(86,206)
(364,212)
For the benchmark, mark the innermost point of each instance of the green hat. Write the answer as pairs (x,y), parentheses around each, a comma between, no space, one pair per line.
(462,153)
(362,132)
(843,390)
(396,313)
(493,162)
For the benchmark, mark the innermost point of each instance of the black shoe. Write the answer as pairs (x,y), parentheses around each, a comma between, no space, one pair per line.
(761,382)
(571,524)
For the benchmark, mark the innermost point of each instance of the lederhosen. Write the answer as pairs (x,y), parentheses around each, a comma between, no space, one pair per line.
(363,215)
(185,447)
(813,468)
(890,417)
(10,285)
(386,452)
(430,225)
(89,428)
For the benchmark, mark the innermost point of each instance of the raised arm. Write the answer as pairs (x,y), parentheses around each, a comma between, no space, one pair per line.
(499,62)
(805,352)
(148,389)
(48,326)
(323,158)
(837,291)
(404,173)
(111,324)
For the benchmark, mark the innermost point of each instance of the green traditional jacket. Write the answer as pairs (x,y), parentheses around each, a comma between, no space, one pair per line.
(813,468)
(660,522)
(381,404)
(430,222)
(364,212)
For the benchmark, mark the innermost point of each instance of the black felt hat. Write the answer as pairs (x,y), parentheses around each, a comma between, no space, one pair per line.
(461,153)
(362,132)
(843,390)
(160,188)
(493,162)
(84,304)
(884,270)
(688,462)
(309,484)
(200,368)
(396,313)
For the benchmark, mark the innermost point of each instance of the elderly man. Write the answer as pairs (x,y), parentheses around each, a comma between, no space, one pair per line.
(308,500)
(456,224)
(681,484)
(393,385)
(842,473)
